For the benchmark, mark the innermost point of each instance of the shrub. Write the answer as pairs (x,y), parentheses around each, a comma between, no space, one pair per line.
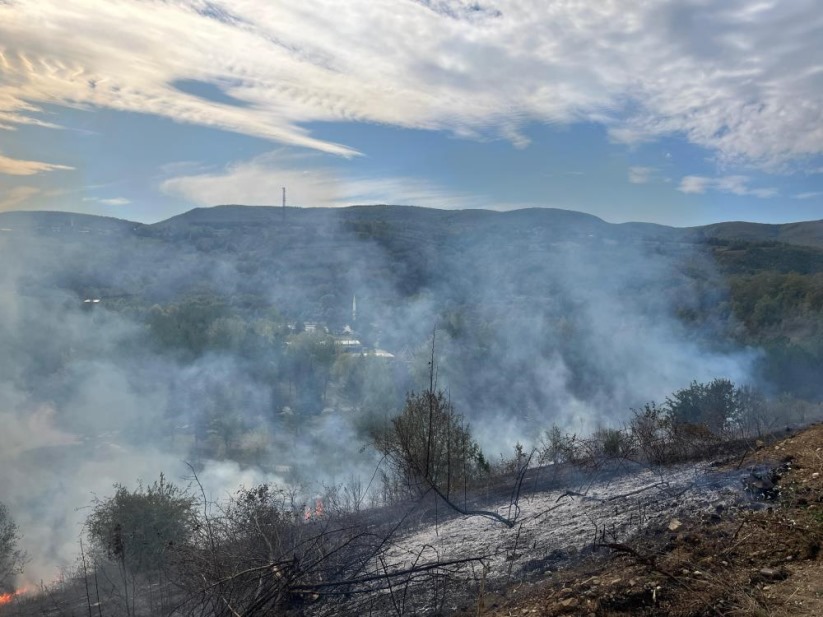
(650,429)
(141,529)
(11,559)
(714,405)
(614,443)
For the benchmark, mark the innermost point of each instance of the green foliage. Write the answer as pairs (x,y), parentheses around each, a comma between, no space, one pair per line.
(615,443)
(11,559)
(714,405)
(704,414)
(747,257)
(142,529)
(557,447)
(430,445)
(767,299)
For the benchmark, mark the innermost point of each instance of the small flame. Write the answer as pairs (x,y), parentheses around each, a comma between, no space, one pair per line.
(309,514)
(5,598)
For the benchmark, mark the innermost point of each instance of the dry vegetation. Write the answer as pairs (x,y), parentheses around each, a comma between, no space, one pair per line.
(644,519)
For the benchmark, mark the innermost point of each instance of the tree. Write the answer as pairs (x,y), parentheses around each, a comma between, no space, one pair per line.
(714,405)
(11,558)
(141,529)
(430,445)
(431,450)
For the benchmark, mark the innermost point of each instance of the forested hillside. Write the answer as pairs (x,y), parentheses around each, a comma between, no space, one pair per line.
(247,280)
(273,346)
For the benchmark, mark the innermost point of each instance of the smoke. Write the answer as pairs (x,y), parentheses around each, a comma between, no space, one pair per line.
(599,336)
(540,319)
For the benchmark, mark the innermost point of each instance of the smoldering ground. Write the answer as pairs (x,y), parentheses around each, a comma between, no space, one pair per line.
(537,323)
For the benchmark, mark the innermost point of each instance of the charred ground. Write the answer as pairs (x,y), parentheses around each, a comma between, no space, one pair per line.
(759,559)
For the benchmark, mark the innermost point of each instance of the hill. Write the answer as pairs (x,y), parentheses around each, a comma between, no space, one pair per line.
(252,339)
(809,233)
(472,271)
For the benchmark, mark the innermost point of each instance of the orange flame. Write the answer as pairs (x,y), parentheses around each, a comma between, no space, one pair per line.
(5,598)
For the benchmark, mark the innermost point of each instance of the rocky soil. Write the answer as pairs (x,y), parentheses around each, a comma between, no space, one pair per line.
(744,541)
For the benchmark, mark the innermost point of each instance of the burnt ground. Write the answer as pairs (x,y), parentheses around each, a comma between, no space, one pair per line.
(764,559)
(722,537)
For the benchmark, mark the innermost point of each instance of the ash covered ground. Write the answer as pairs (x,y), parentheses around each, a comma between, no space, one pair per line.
(553,526)
(563,515)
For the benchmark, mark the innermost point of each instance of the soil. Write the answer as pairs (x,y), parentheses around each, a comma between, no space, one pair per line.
(763,559)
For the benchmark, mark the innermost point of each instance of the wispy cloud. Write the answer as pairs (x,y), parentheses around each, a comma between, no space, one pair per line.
(641,175)
(17,167)
(809,195)
(736,185)
(639,68)
(109,201)
(310,183)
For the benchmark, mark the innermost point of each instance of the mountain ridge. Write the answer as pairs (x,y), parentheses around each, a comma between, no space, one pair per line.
(800,233)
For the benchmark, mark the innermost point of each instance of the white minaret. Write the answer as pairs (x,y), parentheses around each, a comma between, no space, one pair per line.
(354,308)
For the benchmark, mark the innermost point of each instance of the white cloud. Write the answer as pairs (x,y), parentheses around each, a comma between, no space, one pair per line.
(694,185)
(17,167)
(742,78)
(809,195)
(736,185)
(111,201)
(641,175)
(309,183)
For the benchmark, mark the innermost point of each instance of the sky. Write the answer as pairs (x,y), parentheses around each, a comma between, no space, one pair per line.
(681,112)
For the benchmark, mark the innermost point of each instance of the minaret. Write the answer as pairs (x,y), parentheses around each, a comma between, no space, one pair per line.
(354,308)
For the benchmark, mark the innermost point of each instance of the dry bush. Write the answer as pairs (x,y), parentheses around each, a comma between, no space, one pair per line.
(259,554)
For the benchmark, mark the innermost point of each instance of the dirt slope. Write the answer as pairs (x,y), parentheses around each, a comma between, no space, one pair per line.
(760,560)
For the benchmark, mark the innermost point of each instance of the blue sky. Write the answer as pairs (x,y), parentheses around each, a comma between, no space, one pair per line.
(676,112)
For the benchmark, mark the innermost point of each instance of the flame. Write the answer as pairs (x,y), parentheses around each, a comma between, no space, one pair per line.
(317,512)
(6,598)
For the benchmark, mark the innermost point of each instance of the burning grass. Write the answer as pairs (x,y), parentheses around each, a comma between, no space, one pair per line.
(8,598)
